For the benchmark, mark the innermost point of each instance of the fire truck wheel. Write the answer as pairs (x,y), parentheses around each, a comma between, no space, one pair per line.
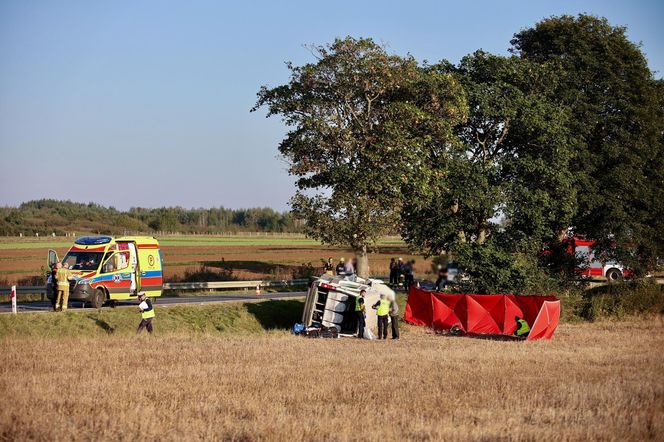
(614,275)
(98,298)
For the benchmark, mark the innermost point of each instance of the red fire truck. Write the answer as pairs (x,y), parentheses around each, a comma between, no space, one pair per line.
(590,266)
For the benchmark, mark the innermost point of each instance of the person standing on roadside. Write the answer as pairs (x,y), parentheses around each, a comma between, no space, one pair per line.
(382,308)
(62,276)
(400,270)
(147,313)
(394,272)
(328,266)
(394,318)
(349,268)
(360,314)
(54,285)
(341,267)
(441,282)
(408,274)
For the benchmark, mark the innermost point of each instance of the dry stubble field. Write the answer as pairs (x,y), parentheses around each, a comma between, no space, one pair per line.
(593,381)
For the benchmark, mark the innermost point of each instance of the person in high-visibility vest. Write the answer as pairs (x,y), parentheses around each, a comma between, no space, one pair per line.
(62,276)
(382,308)
(360,314)
(522,327)
(147,313)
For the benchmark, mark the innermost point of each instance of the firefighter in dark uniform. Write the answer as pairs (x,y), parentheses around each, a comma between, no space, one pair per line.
(147,313)
(394,272)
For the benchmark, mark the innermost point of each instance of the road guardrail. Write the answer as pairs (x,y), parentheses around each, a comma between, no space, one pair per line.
(213,285)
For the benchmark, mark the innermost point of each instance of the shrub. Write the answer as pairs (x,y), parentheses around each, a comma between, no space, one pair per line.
(622,300)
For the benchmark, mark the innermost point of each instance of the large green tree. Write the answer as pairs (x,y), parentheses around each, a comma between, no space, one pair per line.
(617,123)
(504,189)
(362,124)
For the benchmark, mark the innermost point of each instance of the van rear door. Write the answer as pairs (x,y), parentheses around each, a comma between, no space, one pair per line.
(52,258)
(150,273)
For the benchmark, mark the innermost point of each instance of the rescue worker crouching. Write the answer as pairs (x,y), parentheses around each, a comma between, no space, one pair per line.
(360,314)
(382,308)
(62,277)
(522,327)
(147,313)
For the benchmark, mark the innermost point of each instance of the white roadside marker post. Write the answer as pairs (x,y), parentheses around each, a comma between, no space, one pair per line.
(13,296)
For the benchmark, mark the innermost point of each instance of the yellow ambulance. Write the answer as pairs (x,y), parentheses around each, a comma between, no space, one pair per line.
(105,268)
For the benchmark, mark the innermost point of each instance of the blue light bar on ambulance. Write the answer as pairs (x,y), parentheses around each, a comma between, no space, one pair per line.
(92,240)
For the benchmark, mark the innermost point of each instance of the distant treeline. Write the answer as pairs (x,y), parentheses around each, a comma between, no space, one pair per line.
(48,216)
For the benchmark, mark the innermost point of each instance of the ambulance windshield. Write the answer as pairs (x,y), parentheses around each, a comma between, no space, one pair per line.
(83,260)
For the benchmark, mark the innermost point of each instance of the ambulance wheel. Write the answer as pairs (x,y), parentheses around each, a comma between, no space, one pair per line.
(98,298)
(614,275)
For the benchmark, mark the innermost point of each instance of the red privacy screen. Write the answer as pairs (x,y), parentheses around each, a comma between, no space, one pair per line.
(483,314)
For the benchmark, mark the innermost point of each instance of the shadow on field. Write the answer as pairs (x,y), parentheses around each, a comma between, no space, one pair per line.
(277,314)
(504,338)
(250,266)
(103,325)
(393,250)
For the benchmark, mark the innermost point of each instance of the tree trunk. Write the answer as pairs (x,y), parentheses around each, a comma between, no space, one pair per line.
(455,209)
(362,269)
(481,237)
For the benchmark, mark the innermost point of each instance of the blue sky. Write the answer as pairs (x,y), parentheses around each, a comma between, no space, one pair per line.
(146,103)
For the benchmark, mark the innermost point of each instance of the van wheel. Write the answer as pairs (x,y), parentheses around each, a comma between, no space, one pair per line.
(614,275)
(98,298)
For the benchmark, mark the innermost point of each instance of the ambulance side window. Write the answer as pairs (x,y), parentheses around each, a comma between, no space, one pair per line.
(116,262)
(122,260)
(109,265)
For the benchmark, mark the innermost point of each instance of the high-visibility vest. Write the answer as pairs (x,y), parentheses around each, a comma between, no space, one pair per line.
(522,328)
(383,308)
(149,312)
(359,307)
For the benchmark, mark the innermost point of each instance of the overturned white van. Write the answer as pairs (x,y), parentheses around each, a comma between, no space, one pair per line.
(331,302)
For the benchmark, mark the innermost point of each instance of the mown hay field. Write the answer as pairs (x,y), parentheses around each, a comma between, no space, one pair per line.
(593,381)
(22,259)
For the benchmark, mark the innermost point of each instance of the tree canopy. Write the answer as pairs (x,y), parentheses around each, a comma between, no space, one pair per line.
(504,188)
(617,125)
(361,123)
(494,160)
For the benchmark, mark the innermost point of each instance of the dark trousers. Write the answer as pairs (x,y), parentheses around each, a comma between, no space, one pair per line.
(145,323)
(407,282)
(394,277)
(395,327)
(382,327)
(361,323)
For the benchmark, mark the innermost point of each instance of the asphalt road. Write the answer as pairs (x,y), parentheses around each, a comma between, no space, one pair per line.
(45,306)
